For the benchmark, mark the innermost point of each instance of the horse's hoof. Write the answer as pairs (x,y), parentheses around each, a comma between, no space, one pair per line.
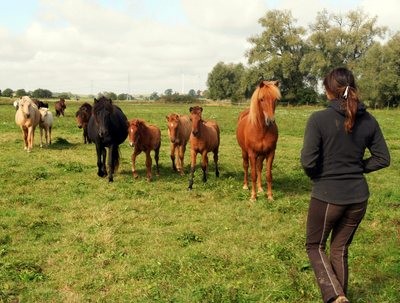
(245,187)
(260,190)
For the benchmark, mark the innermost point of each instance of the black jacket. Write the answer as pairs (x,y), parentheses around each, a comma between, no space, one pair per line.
(334,159)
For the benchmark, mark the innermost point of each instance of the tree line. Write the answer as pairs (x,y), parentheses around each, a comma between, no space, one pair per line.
(300,58)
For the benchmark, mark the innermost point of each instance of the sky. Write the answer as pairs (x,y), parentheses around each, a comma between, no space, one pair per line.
(141,46)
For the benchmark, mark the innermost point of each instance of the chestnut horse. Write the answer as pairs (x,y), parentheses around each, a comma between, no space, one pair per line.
(27,117)
(179,128)
(108,127)
(60,107)
(257,135)
(204,138)
(144,137)
(82,116)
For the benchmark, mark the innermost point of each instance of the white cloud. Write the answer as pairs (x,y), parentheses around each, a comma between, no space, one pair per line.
(84,47)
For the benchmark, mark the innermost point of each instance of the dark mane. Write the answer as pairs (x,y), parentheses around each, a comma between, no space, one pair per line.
(102,104)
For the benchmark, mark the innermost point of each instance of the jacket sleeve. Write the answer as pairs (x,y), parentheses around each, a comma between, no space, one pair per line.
(310,152)
(380,157)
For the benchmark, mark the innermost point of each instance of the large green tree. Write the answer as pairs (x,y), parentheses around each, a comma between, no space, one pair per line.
(224,81)
(379,74)
(42,93)
(277,52)
(339,40)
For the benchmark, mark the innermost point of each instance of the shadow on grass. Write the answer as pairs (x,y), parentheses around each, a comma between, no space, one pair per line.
(61,143)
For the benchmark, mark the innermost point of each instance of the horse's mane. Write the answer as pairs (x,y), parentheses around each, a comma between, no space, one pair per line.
(270,92)
(27,99)
(102,104)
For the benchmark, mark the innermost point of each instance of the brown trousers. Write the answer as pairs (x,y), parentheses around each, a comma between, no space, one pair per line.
(341,221)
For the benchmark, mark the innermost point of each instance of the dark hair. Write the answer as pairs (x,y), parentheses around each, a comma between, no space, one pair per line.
(341,85)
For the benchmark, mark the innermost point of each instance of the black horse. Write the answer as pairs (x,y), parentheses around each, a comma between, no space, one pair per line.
(108,127)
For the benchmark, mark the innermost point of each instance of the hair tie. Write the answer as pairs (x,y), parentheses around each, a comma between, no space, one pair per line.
(346,92)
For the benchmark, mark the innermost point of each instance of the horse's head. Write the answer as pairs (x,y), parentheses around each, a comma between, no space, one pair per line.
(102,110)
(173,122)
(79,118)
(25,105)
(263,101)
(195,117)
(134,130)
(83,115)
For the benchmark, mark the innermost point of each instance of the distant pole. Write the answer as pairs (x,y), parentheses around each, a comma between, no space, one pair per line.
(129,87)
(183,84)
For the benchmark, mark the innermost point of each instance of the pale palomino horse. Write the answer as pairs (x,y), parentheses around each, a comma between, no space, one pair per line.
(27,118)
(179,129)
(45,125)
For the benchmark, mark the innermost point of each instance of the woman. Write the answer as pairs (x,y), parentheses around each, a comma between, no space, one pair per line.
(335,140)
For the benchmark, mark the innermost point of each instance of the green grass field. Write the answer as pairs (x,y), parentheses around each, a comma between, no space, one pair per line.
(67,235)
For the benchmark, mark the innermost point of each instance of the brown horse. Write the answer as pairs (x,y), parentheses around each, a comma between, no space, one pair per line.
(60,107)
(204,138)
(27,117)
(179,128)
(82,116)
(144,137)
(257,135)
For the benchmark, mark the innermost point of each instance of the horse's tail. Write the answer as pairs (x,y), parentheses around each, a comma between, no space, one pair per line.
(116,155)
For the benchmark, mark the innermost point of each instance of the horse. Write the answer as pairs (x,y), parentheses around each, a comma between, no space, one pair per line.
(40,104)
(108,127)
(257,135)
(82,116)
(45,125)
(179,129)
(27,117)
(204,138)
(60,107)
(144,137)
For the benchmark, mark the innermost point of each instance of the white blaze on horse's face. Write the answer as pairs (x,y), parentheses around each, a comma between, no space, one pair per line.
(268,107)
(132,135)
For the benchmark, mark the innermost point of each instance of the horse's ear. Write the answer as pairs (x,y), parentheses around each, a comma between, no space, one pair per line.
(95,100)
(276,83)
(190,109)
(201,109)
(261,83)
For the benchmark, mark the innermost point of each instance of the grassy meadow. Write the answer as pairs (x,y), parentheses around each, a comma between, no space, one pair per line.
(67,235)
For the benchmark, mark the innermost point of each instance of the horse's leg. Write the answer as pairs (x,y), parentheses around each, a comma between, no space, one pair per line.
(31,131)
(204,165)
(113,161)
(50,135)
(134,154)
(25,136)
(253,167)
(100,151)
(172,155)
(156,158)
(41,137)
(46,134)
(148,165)
(181,156)
(193,155)
(269,162)
(259,165)
(245,157)
(216,162)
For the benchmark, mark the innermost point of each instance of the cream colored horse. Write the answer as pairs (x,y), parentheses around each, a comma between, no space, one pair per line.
(27,117)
